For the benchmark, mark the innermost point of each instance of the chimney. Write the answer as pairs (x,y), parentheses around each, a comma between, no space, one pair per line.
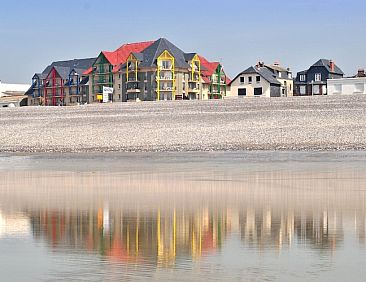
(361,73)
(331,65)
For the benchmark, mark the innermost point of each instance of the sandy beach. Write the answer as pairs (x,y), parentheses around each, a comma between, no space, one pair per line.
(296,123)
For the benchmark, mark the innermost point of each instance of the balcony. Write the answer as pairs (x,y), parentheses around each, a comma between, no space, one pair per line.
(164,78)
(134,90)
(103,82)
(132,80)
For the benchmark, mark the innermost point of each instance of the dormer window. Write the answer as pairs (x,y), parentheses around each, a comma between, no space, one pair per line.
(318,77)
(302,77)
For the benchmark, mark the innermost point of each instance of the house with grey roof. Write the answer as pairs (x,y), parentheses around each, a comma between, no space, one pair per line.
(284,76)
(313,81)
(163,71)
(256,81)
(61,83)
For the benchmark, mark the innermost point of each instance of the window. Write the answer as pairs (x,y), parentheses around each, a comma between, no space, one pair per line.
(242,80)
(258,91)
(316,89)
(302,77)
(258,79)
(359,88)
(250,80)
(337,88)
(302,90)
(242,92)
(290,75)
(279,74)
(119,76)
(119,86)
(318,77)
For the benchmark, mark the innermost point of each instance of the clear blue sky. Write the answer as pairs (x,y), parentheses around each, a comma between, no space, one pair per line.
(237,32)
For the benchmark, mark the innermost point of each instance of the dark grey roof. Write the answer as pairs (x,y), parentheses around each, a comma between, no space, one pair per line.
(39,75)
(263,72)
(85,80)
(78,71)
(63,71)
(189,56)
(138,56)
(30,91)
(302,72)
(82,64)
(152,52)
(326,63)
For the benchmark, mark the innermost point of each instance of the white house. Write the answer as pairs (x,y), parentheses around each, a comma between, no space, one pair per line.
(348,85)
(255,81)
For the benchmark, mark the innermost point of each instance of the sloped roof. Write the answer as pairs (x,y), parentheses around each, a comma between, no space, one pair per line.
(75,63)
(189,56)
(262,71)
(157,48)
(85,81)
(39,75)
(63,71)
(208,68)
(277,68)
(78,71)
(119,56)
(326,63)
(138,56)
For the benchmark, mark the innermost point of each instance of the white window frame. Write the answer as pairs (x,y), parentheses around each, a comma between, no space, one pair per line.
(318,77)
(240,80)
(302,77)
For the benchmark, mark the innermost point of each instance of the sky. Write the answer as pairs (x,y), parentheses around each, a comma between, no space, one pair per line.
(238,33)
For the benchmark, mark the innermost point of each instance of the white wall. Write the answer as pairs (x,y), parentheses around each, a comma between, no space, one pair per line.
(347,86)
(4,87)
(235,85)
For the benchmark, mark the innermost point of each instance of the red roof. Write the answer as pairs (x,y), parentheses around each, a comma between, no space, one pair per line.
(211,68)
(88,71)
(119,56)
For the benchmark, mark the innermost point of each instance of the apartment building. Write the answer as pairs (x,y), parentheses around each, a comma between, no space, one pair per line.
(62,83)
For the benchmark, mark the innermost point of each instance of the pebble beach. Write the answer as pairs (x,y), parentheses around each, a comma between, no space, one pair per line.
(293,123)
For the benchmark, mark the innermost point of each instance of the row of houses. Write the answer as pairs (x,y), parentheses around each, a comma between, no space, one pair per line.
(159,70)
(146,71)
(324,77)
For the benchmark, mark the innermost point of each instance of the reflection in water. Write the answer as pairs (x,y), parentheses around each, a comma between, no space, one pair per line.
(214,222)
(133,236)
(164,236)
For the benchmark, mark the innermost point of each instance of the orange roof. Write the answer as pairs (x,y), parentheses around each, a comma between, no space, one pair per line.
(119,56)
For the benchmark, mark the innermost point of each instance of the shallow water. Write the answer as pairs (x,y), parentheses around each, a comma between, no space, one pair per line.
(264,216)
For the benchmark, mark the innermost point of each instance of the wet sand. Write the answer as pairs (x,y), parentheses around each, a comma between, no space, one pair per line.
(297,123)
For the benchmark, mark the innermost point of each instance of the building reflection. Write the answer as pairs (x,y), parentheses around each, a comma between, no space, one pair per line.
(133,236)
(266,229)
(162,236)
